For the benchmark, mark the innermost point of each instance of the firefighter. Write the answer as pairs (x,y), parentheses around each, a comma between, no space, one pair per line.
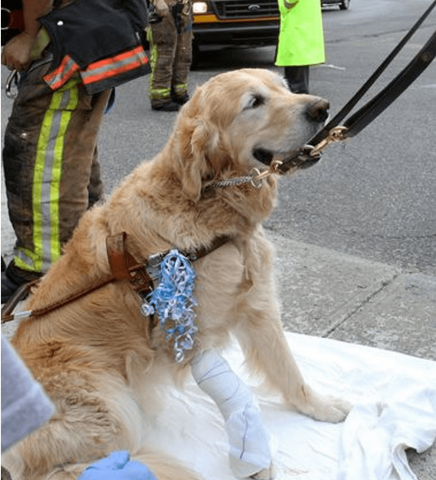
(50,162)
(170,37)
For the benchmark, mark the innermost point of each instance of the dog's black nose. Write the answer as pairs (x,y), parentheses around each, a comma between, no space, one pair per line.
(318,110)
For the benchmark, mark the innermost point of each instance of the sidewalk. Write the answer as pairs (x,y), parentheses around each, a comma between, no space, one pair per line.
(325,293)
(328,294)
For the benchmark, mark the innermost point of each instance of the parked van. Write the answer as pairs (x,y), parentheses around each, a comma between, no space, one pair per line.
(235,22)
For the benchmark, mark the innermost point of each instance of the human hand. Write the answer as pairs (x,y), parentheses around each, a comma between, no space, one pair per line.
(161,7)
(290,5)
(17,53)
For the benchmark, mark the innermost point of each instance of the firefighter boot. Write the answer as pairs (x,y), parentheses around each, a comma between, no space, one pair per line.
(165,105)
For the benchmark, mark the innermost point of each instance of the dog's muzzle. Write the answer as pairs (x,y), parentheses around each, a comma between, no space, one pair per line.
(295,159)
(317,113)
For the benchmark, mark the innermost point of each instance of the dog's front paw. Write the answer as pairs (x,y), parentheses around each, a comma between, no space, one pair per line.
(333,410)
(324,408)
(265,474)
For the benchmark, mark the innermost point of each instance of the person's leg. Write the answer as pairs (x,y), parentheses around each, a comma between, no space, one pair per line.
(182,60)
(48,154)
(95,187)
(163,40)
(81,184)
(298,79)
(21,153)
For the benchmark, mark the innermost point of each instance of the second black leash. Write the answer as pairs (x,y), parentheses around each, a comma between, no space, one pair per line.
(363,117)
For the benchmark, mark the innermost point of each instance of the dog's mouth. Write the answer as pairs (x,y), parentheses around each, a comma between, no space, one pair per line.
(316,113)
(295,159)
(263,156)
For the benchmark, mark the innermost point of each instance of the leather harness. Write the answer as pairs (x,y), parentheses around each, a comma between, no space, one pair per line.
(123,266)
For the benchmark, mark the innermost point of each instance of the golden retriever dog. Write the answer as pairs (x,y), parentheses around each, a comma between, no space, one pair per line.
(103,362)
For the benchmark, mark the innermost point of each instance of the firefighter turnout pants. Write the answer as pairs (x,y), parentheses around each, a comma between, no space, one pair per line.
(52,173)
(170,54)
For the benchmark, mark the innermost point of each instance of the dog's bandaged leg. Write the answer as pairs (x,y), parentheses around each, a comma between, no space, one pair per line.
(249,444)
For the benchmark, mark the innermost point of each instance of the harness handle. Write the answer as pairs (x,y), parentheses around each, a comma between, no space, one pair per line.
(16,298)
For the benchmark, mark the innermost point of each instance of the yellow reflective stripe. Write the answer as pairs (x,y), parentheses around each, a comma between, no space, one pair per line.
(25,259)
(55,184)
(48,175)
(55,243)
(155,93)
(160,93)
(181,88)
(153,60)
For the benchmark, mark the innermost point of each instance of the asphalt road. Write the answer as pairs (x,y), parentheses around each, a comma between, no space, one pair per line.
(374,196)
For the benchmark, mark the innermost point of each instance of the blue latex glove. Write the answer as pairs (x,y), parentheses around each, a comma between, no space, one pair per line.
(117,467)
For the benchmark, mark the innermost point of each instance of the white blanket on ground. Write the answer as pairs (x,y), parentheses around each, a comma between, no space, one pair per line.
(394,398)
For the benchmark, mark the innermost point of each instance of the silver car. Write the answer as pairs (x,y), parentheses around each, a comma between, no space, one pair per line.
(342,4)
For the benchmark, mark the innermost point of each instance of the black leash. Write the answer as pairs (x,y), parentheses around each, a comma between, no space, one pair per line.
(333,132)
(380,102)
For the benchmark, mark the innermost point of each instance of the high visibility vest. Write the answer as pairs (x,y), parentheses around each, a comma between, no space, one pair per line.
(301,37)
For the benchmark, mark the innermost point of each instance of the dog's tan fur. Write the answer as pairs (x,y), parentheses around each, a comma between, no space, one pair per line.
(96,357)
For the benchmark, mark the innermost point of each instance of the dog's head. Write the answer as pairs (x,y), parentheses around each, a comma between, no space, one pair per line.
(239,120)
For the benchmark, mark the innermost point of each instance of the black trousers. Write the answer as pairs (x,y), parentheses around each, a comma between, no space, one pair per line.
(298,78)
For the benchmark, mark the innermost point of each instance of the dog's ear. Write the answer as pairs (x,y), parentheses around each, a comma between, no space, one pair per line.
(196,137)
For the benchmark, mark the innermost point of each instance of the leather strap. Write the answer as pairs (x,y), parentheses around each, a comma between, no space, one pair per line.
(123,267)
(202,252)
(23,292)
(16,298)
(118,257)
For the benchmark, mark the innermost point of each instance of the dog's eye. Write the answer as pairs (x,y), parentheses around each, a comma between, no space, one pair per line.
(257,101)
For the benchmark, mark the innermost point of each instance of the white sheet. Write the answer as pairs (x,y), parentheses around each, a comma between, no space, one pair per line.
(394,398)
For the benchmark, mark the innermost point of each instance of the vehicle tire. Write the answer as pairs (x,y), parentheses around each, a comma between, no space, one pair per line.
(344,5)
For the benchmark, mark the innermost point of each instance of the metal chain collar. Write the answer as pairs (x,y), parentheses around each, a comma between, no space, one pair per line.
(254,178)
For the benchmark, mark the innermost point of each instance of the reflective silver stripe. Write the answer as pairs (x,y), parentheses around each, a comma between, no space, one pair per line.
(113,67)
(23,257)
(46,187)
(63,75)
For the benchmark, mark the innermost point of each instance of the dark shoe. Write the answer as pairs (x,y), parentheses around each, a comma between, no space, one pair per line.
(166,106)
(181,99)
(8,287)
(13,278)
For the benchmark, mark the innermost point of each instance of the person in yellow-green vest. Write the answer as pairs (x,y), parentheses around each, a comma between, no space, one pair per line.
(301,41)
